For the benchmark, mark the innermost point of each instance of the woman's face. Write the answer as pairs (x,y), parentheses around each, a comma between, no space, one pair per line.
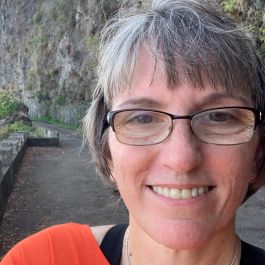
(145,175)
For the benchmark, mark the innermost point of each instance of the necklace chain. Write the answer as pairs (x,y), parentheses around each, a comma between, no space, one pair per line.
(235,260)
(126,246)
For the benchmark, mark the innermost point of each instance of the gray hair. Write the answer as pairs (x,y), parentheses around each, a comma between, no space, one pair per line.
(187,36)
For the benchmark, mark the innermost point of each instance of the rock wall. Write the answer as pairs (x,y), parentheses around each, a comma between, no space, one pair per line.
(47,49)
(47,52)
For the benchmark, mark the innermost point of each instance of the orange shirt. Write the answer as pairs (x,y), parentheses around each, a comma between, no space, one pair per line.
(67,244)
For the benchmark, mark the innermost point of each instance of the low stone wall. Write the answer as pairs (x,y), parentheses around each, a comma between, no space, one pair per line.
(50,138)
(12,152)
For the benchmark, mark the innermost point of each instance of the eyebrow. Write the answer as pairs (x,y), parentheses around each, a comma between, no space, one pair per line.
(223,95)
(142,102)
(151,103)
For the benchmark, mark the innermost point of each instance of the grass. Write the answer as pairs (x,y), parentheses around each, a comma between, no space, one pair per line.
(53,121)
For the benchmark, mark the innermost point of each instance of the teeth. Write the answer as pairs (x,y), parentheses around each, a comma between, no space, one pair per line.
(180,193)
(175,194)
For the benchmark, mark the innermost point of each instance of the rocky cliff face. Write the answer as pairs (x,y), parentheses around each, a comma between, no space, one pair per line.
(47,52)
(47,49)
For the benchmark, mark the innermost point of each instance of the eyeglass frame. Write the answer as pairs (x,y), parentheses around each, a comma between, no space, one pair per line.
(257,114)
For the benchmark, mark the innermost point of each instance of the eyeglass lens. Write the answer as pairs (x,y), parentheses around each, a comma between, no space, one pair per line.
(227,126)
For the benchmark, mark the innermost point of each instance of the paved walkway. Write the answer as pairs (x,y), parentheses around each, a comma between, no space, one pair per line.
(58,185)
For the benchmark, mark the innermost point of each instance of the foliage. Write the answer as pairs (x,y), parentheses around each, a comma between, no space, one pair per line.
(21,126)
(61,99)
(51,120)
(39,39)
(261,40)
(61,14)
(91,41)
(8,104)
(36,19)
(230,6)
(42,96)
(18,127)
(3,132)
(255,25)
(30,77)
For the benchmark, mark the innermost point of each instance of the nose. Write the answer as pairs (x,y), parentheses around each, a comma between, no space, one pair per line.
(181,151)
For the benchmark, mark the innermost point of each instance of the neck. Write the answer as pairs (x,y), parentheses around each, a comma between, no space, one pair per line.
(142,249)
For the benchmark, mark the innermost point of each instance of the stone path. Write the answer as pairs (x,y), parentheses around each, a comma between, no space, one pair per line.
(58,185)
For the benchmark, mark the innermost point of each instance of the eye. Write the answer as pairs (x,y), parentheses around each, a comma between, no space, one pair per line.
(142,118)
(219,116)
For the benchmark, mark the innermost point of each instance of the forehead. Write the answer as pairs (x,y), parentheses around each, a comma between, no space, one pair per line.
(149,81)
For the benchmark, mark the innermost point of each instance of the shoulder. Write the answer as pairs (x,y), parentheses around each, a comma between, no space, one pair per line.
(252,254)
(100,231)
(59,234)
(64,243)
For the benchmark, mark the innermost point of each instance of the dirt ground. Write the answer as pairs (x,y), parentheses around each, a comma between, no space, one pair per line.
(59,185)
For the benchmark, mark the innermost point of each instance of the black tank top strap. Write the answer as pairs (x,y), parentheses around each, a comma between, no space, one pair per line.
(112,243)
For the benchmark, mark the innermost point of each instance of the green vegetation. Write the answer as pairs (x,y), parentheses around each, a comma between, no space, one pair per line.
(230,6)
(31,76)
(36,19)
(21,126)
(18,127)
(261,40)
(39,39)
(91,42)
(42,96)
(255,25)
(3,132)
(8,104)
(51,120)
(61,13)
(61,99)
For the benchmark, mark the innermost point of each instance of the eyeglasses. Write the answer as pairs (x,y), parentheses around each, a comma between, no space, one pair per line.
(220,126)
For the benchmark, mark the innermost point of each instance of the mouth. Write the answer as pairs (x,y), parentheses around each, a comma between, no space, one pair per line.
(181,194)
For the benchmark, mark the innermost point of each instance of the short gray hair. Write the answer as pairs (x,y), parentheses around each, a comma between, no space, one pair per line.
(191,35)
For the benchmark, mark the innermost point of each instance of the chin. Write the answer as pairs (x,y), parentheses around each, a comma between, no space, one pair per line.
(181,236)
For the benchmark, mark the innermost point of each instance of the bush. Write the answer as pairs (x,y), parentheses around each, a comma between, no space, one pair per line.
(20,126)
(8,104)
(3,132)
(230,6)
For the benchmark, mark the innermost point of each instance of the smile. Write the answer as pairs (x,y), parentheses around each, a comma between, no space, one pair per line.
(180,194)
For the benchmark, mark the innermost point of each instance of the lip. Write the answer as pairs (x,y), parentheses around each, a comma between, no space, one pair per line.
(180,202)
(180,186)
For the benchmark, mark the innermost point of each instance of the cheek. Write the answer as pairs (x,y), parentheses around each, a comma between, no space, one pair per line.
(234,166)
(128,162)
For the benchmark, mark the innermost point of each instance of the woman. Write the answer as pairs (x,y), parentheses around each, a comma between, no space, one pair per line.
(176,127)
